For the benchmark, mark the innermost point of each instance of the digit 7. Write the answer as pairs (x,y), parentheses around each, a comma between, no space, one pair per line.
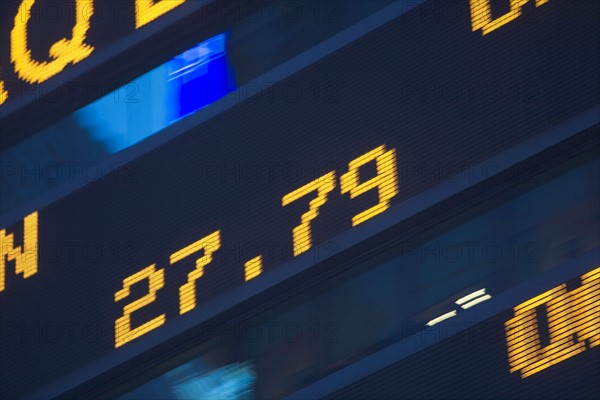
(301,233)
(187,292)
(386,181)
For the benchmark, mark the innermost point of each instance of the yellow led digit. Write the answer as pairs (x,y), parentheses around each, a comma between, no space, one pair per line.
(63,52)
(123,331)
(187,292)
(3,93)
(386,181)
(148,10)
(481,14)
(25,257)
(301,233)
(573,318)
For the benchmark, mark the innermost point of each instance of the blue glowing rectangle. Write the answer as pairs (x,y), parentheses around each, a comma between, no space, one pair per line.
(190,81)
(199,76)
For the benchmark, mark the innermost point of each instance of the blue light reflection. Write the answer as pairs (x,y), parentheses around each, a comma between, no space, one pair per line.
(190,81)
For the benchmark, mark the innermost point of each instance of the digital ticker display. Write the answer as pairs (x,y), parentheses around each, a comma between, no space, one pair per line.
(277,178)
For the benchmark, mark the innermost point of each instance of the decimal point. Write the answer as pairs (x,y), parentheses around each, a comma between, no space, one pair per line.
(253,268)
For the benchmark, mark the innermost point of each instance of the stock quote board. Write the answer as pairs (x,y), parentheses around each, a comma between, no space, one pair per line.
(274,180)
